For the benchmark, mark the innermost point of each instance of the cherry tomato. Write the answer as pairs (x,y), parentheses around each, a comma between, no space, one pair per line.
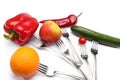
(82,40)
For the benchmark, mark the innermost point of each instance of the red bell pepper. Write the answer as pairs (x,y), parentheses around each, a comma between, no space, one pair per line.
(21,28)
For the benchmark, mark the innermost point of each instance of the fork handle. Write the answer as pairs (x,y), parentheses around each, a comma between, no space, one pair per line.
(70,75)
(74,54)
(95,68)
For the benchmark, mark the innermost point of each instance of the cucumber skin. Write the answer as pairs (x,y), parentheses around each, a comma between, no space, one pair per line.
(93,35)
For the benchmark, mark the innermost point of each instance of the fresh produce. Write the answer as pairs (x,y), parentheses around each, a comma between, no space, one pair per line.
(65,22)
(24,62)
(50,32)
(82,40)
(20,28)
(93,35)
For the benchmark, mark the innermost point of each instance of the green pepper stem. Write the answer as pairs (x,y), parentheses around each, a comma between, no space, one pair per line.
(11,35)
(79,14)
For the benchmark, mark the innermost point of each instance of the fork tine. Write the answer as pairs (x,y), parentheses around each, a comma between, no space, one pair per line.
(84,54)
(95,44)
(43,68)
(42,71)
(94,47)
(64,32)
(61,46)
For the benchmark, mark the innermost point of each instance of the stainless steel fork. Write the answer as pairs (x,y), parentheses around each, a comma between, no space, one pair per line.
(41,45)
(83,50)
(62,47)
(73,54)
(64,51)
(66,54)
(94,50)
(76,58)
(50,72)
(84,56)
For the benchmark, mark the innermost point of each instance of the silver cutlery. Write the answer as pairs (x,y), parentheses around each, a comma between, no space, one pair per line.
(41,45)
(84,53)
(66,53)
(50,72)
(94,50)
(62,47)
(84,56)
(73,53)
(82,42)
(75,57)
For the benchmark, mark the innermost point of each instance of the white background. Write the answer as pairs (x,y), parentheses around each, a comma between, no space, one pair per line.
(99,15)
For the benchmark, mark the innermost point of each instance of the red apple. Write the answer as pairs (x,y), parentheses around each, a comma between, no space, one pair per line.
(50,32)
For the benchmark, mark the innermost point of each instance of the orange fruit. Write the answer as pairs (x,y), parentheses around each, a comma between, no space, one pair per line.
(24,62)
(50,32)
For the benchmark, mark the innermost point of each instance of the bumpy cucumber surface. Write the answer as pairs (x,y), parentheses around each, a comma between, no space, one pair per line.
(93,35)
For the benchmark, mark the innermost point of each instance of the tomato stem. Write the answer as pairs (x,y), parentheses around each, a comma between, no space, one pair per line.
(79,14)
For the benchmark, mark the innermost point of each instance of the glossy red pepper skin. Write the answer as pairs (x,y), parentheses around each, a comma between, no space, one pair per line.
(22,24)
(64,22)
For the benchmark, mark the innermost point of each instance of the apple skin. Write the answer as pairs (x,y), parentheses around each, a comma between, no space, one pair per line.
(50,32)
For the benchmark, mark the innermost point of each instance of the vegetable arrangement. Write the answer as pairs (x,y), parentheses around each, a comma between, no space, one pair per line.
(22,27)
(20,30)
(99,37)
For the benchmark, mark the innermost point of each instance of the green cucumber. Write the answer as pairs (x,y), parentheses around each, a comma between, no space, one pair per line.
(96,36)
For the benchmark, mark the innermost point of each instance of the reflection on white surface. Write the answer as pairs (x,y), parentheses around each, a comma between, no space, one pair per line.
(100,15)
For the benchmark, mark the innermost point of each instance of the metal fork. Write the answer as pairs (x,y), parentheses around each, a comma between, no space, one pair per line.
(73,54)
(94,50)
(66,54)
(50,72)
(41,45)
(62,47)
(84,56)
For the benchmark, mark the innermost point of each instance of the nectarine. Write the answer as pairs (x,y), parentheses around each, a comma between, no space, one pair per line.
(50,32)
